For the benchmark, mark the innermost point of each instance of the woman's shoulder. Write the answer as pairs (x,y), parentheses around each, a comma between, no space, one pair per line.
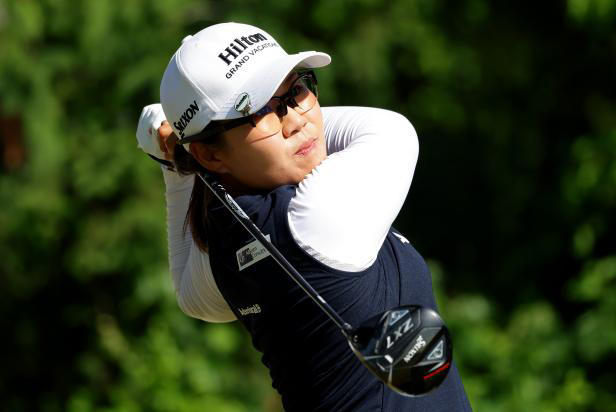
(266,204)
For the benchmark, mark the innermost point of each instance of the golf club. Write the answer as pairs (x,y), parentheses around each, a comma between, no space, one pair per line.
(408,347)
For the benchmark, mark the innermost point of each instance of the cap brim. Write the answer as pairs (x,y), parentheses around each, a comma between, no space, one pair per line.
(267,79)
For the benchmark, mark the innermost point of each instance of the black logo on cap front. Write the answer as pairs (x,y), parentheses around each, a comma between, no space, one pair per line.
(233,51)
(186,117)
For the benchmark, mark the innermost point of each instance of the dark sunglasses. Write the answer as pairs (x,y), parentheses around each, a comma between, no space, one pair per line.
(277,104)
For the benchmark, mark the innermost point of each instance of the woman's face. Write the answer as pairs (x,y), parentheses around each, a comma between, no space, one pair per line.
(250,160)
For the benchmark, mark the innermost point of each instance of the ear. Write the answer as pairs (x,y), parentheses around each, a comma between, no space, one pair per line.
(208,157)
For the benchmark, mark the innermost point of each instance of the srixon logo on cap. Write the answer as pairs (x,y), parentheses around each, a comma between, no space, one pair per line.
(233,51)
(186,117)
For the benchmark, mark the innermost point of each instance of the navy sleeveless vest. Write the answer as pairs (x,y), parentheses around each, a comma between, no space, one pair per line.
(309,360)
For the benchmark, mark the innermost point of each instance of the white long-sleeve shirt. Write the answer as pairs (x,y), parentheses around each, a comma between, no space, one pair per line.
(340,214)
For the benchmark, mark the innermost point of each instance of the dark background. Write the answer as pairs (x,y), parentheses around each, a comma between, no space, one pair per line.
(512,202)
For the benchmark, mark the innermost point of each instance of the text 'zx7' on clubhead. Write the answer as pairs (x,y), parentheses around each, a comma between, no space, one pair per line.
(408,348)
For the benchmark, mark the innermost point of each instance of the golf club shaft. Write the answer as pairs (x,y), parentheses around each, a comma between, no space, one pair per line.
(222,195)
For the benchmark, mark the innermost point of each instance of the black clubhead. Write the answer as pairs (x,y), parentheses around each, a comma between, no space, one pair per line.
(408,348)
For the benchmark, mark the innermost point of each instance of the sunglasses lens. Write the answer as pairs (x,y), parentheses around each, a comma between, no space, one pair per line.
(301,96)
(281,108)
(267,123)
(309,80)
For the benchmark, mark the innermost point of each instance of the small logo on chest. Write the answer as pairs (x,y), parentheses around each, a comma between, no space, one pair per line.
(251,254)
(250,310)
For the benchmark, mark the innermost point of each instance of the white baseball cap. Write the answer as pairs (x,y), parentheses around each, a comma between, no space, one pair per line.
(226,71)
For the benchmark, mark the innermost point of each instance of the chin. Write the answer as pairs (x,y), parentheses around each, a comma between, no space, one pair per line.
(302,175)
(308,164)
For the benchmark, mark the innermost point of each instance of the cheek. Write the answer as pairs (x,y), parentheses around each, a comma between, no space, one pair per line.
(271,162)
(262,163)
(315,116)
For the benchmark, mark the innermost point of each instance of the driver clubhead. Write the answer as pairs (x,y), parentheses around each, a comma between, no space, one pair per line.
(408,348)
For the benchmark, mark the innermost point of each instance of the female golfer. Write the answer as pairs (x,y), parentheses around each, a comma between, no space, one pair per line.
(323,184)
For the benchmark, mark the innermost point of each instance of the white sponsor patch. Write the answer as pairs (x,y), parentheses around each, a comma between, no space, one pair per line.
(251,254)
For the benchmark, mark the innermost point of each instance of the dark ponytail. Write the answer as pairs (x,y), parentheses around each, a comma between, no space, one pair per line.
(196,216)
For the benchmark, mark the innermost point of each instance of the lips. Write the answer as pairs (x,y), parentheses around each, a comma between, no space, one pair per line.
(306,147)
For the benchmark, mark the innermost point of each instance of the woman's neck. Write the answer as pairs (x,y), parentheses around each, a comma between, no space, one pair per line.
(235,187)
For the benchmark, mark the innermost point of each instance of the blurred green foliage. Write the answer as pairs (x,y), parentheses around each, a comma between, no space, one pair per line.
(512,203)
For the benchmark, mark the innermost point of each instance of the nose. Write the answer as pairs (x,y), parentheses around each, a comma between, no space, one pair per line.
(292,123)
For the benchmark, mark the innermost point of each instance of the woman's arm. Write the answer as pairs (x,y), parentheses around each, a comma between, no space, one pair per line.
(344,208)
(349,200)
(195,288)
